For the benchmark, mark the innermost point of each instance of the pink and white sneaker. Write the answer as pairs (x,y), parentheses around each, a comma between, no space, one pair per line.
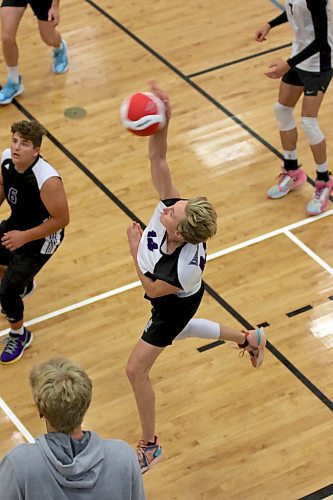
(321,197)
(255,342)
(287,180)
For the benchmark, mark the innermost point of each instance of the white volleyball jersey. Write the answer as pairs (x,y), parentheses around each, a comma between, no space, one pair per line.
(182,268)
(311,21)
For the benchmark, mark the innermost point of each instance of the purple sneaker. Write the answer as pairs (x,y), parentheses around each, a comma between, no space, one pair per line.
(15,346)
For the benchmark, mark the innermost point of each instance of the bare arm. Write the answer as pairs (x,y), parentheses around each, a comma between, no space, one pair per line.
(158,146)
(2,192)
(54,198)
(54,13)
(152,288)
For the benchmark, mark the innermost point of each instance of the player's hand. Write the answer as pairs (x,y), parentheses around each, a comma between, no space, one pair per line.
(53,16)
(14,240)
(163,96)
(262,33)
(277,69)
(134,233)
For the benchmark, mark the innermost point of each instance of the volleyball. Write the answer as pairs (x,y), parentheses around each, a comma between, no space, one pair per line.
(143,113)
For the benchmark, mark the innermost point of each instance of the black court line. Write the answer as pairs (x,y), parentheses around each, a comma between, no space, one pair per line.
(273,350)
(128,212)
(299,311)
(186,79)
(206,347)
(201,91)
(319,494)
(208,288)
(237,61)
(82,167)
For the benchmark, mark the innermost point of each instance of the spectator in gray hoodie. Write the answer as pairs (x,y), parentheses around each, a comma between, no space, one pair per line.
(68,463)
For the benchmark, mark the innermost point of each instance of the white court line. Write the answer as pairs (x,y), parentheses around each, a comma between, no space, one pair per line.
(284,230)
(135,284)
(77,305)
(18,424)
(271,234)
(308,250)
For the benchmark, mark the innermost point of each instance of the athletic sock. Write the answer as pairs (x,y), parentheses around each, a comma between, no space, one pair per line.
(290,164)
(20,331)
(322,172)
(323,176)
(290,159)
(13,73)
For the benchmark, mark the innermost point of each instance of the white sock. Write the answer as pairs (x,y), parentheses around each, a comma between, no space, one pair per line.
(58,49)
(290,155)
(20,331)
(322,167)
(13,73)
(202,328)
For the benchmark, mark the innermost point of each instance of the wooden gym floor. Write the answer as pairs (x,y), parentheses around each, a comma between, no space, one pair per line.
(229,431)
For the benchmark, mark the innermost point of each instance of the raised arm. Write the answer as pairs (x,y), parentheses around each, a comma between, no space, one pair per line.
(158,146)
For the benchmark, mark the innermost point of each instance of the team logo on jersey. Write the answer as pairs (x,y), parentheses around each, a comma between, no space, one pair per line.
(151,244)
(148,325)
(12,195)
(194,261)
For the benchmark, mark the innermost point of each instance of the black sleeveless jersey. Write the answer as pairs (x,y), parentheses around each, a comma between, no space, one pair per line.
(22,192)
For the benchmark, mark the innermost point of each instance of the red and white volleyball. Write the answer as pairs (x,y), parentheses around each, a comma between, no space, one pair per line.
(143,113)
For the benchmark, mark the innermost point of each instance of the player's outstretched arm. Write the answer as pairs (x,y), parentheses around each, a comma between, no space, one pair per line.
(158,146)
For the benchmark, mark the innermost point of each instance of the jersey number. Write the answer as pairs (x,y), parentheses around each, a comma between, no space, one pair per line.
(150,242)
(12,195)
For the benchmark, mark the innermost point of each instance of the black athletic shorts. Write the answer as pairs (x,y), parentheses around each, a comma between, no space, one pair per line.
(22,264)
(312,82)
(40,7)
(170,314)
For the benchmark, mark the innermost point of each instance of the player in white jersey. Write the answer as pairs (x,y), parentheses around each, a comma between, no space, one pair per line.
(34,230)
(169,256)
(308,71)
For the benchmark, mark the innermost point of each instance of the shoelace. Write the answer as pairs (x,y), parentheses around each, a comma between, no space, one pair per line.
(283,179)
(253,352)
(11,345)
(321,194)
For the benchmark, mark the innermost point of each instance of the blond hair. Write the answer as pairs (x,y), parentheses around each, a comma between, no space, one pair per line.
(200,222)
(62,392)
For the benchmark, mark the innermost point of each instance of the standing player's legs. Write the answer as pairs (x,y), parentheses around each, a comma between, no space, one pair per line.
(291,176)
(53,38)
(139,364)
(324,182)
(19,274)
(10,20)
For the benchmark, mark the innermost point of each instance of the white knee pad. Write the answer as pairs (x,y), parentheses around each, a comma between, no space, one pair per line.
(312,130)
(285,116)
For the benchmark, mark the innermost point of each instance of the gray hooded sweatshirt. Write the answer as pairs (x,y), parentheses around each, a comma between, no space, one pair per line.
(57,467)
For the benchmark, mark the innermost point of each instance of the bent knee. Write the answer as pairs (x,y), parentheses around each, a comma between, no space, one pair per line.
(8,38)
(135,370)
